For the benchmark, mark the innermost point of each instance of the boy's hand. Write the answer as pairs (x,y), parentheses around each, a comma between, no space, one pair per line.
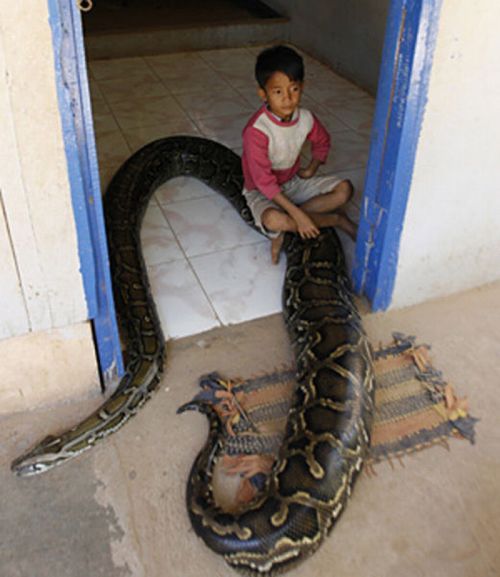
(305,226)
(305,172)
(310,171)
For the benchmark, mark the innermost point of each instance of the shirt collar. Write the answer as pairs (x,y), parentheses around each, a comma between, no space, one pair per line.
(279,120)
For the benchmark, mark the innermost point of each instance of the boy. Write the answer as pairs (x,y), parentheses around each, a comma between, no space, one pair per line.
(281,195)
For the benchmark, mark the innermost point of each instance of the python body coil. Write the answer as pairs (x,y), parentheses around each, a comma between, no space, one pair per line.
(328,429)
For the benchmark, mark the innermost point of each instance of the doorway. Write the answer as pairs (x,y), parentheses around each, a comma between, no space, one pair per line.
(189,258)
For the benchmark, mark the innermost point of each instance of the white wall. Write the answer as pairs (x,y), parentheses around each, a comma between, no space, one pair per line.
(46,346)
(451,234)
(41,285)
(47,368)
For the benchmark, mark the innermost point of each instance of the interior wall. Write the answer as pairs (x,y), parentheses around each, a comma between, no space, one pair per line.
(451,234)
(349,36)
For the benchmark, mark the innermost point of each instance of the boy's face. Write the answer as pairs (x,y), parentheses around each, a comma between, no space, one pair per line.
(282,95)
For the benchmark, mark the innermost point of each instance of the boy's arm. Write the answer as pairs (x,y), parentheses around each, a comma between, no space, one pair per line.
(305,226)
(320,145)
(310,170)
(255,144)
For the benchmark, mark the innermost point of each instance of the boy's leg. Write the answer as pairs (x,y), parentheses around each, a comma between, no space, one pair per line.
(334,201)
(339,219)
(278,221)
(330,201)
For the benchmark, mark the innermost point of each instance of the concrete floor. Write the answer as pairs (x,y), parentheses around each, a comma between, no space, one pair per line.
(119,510)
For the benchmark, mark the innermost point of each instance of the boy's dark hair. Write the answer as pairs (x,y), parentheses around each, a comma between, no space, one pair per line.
(279,59)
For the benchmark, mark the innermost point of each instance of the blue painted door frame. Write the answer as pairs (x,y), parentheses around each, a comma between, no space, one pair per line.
(79,143)
(401,96)
(402,91)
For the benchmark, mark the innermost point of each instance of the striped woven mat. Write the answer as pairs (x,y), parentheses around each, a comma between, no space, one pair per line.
(415,408)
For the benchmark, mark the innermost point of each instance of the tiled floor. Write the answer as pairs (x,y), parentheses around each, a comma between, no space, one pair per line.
(207,268)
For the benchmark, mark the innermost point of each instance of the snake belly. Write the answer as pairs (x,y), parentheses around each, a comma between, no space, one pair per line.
(328,429)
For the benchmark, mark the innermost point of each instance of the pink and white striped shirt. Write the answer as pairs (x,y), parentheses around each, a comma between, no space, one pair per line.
(271,148)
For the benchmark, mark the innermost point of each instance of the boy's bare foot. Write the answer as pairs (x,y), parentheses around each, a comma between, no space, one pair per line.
(339,219)
(347,225)
(276,245)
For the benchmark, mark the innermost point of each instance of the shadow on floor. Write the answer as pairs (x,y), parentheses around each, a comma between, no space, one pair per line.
(131,15)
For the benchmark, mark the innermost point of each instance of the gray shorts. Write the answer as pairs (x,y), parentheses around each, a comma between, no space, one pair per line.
(298,190)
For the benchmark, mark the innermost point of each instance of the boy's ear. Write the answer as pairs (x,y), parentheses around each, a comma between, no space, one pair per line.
(262,93)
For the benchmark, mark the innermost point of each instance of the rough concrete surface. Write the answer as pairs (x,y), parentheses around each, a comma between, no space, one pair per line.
(119,510)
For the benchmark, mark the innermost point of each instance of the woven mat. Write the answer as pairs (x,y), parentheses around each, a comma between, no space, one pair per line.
(415,408)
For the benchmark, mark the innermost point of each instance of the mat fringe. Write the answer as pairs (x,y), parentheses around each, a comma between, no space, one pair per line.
(253,414)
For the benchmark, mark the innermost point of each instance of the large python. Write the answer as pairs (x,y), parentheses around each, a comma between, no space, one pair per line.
(328,430)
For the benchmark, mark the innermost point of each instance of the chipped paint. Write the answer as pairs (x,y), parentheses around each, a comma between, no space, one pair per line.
(76,116)
(402,92)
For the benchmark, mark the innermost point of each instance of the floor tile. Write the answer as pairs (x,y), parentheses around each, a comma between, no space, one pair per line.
(150,111)
(112,148)
(237,66)
(135,87)
(138,136)
(104,122)
(248,91)
(357,114)
(229,59)
(182,188)
(195,81)
(332,92)
(208,224)
(310,104)
(315,71)
(219,102)
(242,79)
(106,173)
(173,66)
(100,106)
(226,130)
(349,247)
(96,95)
(158,242)
(357,177)
(332,123)
(118,68)
(241,283)
(181,303)
(349,150)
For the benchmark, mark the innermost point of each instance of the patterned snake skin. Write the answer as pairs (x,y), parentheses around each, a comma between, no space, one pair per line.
(328,429)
